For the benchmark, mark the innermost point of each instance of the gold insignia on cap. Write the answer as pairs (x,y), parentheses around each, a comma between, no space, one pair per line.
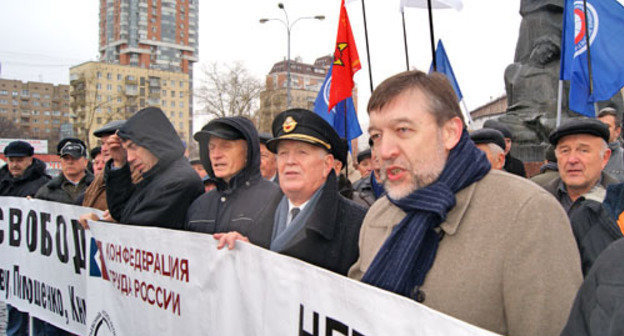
(289,124)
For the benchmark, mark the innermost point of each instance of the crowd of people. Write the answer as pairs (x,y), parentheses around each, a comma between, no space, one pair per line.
(441,215)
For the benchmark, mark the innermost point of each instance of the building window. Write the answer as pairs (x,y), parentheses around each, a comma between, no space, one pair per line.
(46,113)
(4,92)
(172,104)
(25,93)
(181,94)
(15,93)
(15,103)
(181,115)
(164,92)
(99,75)
(181,104)
(98,86)
(98,120)
(109,87)
(118,76)
(4,101)
(109,75)
(181,84)
(172,94)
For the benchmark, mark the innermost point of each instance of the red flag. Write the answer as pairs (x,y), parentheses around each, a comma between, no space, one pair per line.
(346,61)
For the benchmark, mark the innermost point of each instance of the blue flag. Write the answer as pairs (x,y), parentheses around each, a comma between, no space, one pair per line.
(444,67)
(605,28)
(336,117)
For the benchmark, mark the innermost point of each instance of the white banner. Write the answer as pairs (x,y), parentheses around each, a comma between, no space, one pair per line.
(43,260)
(163,282)
(152,281)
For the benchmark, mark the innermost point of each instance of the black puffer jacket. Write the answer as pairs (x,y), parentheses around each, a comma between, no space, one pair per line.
(599,305)
(594,229)
(246,204)
(34,177)
(164,194)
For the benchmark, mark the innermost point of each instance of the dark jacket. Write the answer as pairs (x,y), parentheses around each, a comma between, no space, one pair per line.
(165,192)
(598,309)
(594,229)
(59,189)
(34,177)
(246,204)
(514,166)
(330,235)
(553,188)
(363,192)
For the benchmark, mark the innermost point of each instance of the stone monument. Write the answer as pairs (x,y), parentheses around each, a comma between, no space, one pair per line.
(532,80)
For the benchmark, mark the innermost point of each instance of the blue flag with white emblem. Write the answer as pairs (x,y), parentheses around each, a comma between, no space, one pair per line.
(602,23)
(336,117)
(443,66)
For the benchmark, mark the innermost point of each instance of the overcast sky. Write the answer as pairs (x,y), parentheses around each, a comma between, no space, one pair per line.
(41,39)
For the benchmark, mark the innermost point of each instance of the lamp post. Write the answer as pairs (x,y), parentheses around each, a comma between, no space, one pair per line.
(289,27)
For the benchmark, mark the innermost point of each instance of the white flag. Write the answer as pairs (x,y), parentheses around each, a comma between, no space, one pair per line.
(435,4)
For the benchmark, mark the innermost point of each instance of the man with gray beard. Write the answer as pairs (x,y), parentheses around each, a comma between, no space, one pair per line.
(481,245)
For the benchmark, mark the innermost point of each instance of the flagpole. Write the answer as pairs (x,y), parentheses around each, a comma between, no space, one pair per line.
(589,66)
(370,70)
(405,40)
(344,105)
(435,65)
(559,102)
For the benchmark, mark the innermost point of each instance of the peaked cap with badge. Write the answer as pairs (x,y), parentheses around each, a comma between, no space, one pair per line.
(307,126)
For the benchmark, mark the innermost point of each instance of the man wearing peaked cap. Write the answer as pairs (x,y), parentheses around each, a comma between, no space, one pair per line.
(74,177)
(492,143)
(512,164)
(243,201)
(313,222)
(582,153)
(268,163)
(95,195)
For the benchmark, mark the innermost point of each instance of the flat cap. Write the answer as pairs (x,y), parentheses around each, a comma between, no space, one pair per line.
(95,152)
(219,129)
(497,125)
(109,128)
(264,137)
(72,146)
(307,126)
(488,135)
(18,148)
(580,126)
(365,154)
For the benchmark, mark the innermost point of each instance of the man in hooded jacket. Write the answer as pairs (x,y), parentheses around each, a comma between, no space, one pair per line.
(168,184)
(243,201)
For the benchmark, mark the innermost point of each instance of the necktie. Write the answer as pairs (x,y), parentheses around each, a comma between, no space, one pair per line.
(293,213)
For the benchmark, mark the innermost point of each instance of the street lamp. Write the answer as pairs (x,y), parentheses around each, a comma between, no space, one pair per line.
(289,27)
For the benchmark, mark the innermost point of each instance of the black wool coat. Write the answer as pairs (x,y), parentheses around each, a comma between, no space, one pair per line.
(330,236)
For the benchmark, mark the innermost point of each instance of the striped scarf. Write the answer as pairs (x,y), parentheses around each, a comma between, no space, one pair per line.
(403,261)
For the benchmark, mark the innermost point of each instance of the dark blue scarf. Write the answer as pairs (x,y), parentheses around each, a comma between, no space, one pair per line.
(403,261)
(378,188)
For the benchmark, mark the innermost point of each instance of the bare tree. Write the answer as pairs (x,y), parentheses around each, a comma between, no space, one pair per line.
(228,90)
(8,129)
(90,105)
